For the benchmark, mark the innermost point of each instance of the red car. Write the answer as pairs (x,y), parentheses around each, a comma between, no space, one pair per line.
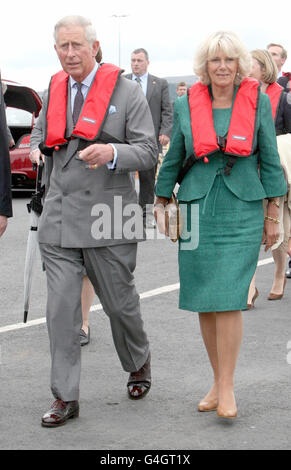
(23,106)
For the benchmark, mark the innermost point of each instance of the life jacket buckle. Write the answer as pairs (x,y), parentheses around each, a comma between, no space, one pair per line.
(221,142)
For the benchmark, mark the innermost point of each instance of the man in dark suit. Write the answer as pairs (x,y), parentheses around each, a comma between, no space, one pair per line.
(5,175)
(279,55)
(156,91)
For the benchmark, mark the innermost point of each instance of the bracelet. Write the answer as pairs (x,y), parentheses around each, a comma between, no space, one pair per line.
(277,221)
(275,202)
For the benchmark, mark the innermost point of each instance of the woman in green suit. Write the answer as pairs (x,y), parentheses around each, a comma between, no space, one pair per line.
(225,125)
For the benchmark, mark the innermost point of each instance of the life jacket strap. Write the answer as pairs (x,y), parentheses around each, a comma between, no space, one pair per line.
(189,162)
(48,151)
(229,165)
(231,159)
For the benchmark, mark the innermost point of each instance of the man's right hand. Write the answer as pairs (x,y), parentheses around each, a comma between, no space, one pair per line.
(35,156)
(11,143)
(3,224)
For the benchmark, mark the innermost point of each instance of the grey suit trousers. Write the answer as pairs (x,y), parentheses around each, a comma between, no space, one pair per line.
(110,269)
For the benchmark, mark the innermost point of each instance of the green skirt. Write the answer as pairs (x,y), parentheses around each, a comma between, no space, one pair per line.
(219,250)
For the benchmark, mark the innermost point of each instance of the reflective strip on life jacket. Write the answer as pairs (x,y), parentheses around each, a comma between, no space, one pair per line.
(274,92)
(241,132)
(93,113)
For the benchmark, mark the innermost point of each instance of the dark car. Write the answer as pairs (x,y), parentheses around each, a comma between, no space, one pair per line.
(23,105)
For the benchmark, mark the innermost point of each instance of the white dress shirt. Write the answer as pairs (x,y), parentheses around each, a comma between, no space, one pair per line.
(86,83)
(143,81)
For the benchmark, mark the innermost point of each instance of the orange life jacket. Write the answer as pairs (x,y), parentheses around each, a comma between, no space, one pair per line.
(240,140)
(275,92)
(241,132)
(93,113)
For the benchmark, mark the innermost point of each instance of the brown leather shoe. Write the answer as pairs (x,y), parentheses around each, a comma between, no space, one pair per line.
(139,382)
(273,296)
(59,413)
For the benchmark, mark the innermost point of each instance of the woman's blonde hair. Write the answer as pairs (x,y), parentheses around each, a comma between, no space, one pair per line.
(230,44)
(267,65)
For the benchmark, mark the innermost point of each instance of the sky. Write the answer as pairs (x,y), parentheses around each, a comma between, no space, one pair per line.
(170,30)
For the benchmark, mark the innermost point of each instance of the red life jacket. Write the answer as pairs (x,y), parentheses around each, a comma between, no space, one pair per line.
(241,132)
(94,111)
(274,92)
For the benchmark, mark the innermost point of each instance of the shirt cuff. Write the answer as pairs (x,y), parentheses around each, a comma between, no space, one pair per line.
(112,165)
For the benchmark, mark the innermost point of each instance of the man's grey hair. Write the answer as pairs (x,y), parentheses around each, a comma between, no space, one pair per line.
(138,51)
(90,32)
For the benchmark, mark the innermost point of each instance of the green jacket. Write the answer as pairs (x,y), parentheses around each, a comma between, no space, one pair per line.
(244,181)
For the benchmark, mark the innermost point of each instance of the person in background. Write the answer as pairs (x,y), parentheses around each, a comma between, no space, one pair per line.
(11,141)
(181,89)
(279,55)
(157,94)
(265,70)
(224,136)
(5,174)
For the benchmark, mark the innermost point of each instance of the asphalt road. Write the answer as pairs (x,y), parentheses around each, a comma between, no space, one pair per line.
(167,417)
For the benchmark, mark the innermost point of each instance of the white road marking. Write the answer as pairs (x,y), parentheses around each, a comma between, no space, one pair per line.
(94,308)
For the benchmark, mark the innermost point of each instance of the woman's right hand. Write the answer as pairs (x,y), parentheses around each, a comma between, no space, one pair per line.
(159,213)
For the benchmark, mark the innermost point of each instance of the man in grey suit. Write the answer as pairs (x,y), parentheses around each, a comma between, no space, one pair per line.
(98,129)
(156,91)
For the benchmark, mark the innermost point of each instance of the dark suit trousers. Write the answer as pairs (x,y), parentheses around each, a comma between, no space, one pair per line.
(110,269)
(147,189)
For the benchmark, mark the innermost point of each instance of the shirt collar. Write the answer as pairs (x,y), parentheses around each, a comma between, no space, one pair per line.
(280,74)
(88,80)
(142,78)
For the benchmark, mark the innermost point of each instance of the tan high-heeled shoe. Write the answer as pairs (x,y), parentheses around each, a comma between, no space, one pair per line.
(252,304)
(231,414)
(208,405)
(273,296)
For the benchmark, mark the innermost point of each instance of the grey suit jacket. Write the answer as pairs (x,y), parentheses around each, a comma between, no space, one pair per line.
(88,208)
(158,98)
